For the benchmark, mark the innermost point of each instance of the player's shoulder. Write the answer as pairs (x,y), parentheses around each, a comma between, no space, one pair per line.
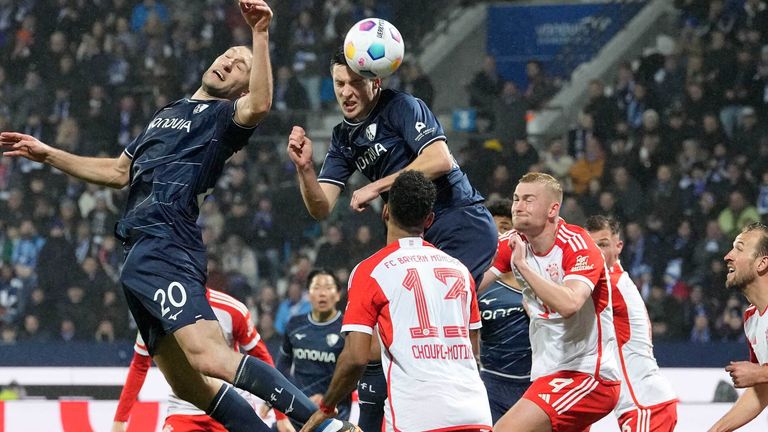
(750,312)
(296,322)
(573,238)
(395,100)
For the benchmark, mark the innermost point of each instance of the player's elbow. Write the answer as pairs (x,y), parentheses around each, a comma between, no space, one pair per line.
(569,308)
(320,212)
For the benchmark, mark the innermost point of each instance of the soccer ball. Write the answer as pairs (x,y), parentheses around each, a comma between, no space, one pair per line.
(374,48)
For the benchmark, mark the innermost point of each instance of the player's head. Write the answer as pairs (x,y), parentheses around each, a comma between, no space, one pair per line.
(355,94)
(229,74)
(323,290)
(501,210)
(606,232)
(410,202)
(536,202)
(748,260)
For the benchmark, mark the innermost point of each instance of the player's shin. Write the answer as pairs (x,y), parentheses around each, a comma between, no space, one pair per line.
(266,382)
(232,411)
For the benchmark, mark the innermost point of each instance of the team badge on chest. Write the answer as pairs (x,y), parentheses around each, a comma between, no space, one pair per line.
(332,339)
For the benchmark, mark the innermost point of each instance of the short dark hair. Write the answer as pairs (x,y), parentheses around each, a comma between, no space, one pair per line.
(600,222)
(411,199)
(500,207)
(338,58)
(323,271)
(762,245)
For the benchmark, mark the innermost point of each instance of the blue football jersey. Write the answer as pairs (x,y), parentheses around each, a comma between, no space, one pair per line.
(309,352)
(506,347)
(175,163)
(394,134)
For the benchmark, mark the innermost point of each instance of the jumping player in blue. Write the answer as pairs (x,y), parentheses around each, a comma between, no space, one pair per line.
(169,168)
(505,348)
(313,341)
(384,132)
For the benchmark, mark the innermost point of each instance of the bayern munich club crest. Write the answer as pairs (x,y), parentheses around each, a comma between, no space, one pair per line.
(370,131)
(554,273)
(332,339)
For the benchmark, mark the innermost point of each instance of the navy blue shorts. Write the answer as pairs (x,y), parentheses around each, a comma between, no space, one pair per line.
(164,285)
(372,393)
(502,393)
(467,234)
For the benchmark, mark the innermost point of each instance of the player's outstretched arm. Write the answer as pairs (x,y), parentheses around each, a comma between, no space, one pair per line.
(434,161)
(112,172)
(747,407)
(319,198)
(254,106)
(349,368)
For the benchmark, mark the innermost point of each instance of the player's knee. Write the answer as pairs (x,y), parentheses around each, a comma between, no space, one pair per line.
(210,363)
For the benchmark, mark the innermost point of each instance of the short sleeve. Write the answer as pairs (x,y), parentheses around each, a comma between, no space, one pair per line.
(502,263)
(365,301)
(130,149)
(243,330)
(336,167)
(416,122)
(234,136)
(582,260)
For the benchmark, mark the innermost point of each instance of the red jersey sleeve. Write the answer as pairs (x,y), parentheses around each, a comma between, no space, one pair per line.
(502,263)
(582,260)
(137,373)
(243,331)
(365,300)
(261,352)
(475,321)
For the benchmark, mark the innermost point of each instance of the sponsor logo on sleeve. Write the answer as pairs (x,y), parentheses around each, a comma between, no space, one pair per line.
(582,264)
(423,130)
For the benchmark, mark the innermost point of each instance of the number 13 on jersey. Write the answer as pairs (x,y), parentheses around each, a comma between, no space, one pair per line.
(457,291)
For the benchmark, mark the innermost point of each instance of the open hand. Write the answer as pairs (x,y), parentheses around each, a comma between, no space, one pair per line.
(22,145)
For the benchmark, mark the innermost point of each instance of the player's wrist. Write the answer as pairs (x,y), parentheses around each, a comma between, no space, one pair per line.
(328,410)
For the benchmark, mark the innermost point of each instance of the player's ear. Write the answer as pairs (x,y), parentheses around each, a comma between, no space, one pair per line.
(762,265)
(554,209)
(385,213)
(429,220)
(620,246)
(376,83)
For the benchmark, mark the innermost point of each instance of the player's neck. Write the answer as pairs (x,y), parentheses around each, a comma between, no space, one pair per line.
(394,233)
(757,294)
(542,242)
(318,316)
(201,94)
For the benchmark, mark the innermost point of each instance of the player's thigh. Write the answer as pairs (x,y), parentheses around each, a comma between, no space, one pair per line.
(186,382)
(191,423)
(467,234)
(207,351)
(524,416)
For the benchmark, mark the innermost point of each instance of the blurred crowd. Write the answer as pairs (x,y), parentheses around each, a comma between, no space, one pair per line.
(674,147)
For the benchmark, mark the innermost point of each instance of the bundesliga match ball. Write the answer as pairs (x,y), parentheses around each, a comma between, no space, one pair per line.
(374,48)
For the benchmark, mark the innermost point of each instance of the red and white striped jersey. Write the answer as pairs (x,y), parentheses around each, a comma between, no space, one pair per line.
(424,303)
(756,329)
(642,386)
(586,341)
(237,326)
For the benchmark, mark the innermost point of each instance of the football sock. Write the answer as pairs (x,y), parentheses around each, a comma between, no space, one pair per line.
(232,411)
(266,382)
